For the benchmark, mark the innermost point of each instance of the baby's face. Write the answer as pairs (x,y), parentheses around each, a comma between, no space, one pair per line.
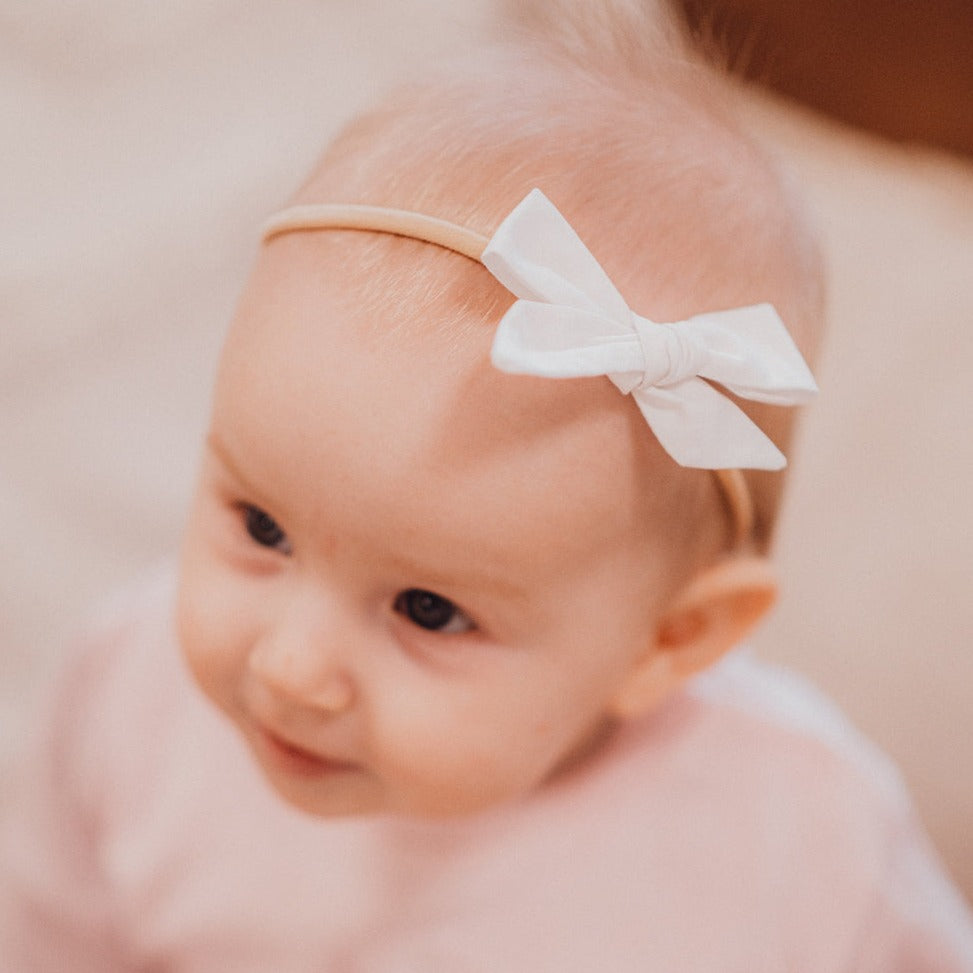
(414,583)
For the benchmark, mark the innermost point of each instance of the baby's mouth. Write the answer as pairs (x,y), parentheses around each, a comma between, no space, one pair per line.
(296,759)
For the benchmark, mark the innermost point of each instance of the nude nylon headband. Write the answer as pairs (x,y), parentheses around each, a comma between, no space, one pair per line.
(469,243)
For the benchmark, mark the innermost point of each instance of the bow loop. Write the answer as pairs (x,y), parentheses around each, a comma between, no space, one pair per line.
(570,321)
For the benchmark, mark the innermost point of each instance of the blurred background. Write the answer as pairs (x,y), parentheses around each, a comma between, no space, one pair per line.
(898,68)
(144,143)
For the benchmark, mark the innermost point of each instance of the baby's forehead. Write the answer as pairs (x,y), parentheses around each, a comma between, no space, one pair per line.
(399,399)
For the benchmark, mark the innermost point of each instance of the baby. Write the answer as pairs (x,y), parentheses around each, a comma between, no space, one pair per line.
(470,546)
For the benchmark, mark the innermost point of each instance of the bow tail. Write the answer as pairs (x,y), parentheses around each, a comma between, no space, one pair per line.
(700,427)
(753,355)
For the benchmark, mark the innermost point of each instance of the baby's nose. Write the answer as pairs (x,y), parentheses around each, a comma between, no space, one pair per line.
(300,660)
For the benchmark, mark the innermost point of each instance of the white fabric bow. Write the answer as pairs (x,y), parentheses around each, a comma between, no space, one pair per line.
(570,321)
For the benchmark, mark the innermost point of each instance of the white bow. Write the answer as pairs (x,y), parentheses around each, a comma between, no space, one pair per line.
(570,321)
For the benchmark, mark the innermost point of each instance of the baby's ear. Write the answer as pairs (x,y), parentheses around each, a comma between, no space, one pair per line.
(711,615)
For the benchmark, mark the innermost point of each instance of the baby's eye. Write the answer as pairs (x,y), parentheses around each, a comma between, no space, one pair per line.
(263,529)
(431,611)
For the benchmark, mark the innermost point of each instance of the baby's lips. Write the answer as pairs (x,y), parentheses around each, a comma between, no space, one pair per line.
(296,757)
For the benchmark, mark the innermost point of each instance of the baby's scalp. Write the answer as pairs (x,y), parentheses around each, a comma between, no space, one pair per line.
(684,213)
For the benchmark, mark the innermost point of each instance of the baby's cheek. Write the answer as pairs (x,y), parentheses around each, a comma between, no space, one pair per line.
(464,761)
(208,623)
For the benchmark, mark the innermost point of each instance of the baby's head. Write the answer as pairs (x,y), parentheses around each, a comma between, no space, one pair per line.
(420,584)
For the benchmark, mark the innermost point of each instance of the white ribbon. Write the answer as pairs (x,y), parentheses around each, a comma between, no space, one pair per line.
(570,321)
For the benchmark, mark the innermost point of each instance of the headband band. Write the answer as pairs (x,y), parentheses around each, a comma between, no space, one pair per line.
(473,245)
(379,219)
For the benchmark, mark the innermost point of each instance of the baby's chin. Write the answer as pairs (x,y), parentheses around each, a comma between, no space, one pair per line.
(346,793)
(360,795)
(351,807)
(448,803)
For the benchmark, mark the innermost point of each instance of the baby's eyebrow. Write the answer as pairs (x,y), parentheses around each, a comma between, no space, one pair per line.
(461,580)
(216,447)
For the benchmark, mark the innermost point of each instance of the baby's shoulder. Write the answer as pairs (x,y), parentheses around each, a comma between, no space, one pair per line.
(750,807)
(781,758)
(793,726)
(748,818)
(113,649)
(831,812)
(124,659)
(750,770)
(125,716)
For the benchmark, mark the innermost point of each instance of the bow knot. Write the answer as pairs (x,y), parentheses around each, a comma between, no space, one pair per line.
(673,354)
(570,321)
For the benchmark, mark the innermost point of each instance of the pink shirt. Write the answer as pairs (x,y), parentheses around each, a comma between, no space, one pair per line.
(743,828)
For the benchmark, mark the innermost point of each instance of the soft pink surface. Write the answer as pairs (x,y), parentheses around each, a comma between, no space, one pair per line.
(144,143)
(742,827)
